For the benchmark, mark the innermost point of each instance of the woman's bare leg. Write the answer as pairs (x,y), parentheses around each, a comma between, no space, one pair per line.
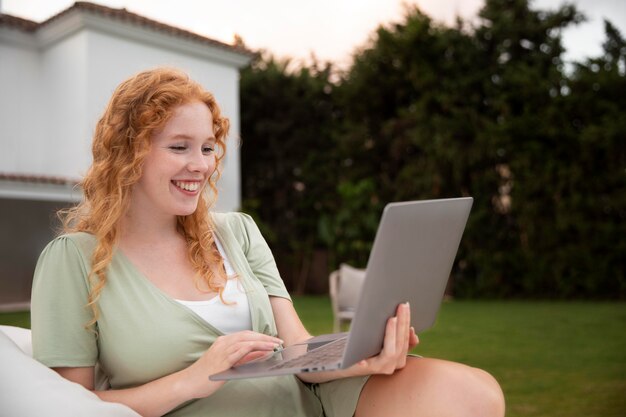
(432,388)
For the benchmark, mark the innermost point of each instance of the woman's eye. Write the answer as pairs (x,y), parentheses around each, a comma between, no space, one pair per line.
(207,150)
(178,148)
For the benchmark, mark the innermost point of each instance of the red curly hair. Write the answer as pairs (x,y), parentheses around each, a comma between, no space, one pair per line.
(139,107)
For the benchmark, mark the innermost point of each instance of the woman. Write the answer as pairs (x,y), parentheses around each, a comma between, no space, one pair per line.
(151,292)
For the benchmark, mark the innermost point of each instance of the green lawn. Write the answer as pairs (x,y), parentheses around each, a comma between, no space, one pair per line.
(19,319)
(553,359)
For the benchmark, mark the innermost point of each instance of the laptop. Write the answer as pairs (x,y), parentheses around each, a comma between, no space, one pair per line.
(411,260)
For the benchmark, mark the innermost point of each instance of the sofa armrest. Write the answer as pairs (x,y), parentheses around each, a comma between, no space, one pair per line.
(29,388)
(21,337)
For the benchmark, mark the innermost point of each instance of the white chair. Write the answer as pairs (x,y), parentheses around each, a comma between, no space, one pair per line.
(345,288)
(29,388)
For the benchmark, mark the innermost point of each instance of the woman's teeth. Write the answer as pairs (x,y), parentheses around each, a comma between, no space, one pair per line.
(187,186)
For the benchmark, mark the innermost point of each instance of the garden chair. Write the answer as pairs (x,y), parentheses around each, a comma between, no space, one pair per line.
(345,288)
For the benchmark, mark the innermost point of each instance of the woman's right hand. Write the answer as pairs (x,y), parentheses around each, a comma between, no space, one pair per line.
(161,395)
(225,352)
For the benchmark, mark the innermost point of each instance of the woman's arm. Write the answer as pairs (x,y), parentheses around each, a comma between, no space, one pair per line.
(152,399)
(399,339)
(157,397)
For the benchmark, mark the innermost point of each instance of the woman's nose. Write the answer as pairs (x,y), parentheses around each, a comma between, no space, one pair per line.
(199,162)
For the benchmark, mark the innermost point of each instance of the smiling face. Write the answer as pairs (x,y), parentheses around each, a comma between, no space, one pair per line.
(180,161)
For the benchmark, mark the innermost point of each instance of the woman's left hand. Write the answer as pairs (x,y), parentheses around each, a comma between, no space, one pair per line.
(400,337)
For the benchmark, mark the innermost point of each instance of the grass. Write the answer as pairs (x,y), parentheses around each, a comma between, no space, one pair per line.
(553,359)
(19,319)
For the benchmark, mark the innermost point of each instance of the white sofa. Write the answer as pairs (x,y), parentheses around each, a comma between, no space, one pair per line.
(28,388)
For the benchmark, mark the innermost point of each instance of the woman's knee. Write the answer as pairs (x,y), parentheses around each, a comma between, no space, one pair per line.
(436,388)
(474,389)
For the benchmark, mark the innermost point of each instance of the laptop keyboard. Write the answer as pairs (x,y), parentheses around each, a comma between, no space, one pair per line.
(329,353)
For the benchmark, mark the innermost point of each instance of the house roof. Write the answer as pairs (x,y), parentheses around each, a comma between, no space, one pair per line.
(39,187)
(120,15)
(18,23)
(38,179)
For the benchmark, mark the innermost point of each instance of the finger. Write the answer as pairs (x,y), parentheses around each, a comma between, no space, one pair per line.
(252,356)
(251,340)
(232,341)
(403,328)
(413,339)
(389,342)
(238,351)
(247,335)
(402,335)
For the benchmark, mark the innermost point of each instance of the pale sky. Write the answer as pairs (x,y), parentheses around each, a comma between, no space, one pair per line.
(330,29)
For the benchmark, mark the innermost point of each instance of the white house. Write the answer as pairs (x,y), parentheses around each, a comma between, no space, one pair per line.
(55,80)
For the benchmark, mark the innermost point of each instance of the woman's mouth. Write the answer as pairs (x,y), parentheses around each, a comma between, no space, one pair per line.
(188,186)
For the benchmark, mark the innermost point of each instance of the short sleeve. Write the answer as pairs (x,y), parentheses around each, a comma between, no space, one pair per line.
(261,259)
(59,309)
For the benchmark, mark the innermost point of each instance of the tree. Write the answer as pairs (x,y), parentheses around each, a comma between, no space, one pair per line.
(591,192)
(287,149)
(428,111)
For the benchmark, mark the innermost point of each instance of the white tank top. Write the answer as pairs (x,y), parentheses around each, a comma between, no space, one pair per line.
(231,317)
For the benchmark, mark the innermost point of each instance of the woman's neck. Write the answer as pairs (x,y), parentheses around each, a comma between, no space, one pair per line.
(148,228)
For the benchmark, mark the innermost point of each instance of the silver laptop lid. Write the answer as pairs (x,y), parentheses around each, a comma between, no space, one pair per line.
(411,260)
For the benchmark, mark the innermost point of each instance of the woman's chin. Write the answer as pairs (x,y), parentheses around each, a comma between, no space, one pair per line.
(187,210)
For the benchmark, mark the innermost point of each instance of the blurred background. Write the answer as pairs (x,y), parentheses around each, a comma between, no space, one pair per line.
(484,99)
(341,107)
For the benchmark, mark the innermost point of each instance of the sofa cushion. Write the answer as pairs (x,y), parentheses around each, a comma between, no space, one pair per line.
(21,337)
(28,388)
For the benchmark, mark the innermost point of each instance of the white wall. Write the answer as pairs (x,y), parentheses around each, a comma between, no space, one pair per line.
(64,90)
(53,92)
(20,127)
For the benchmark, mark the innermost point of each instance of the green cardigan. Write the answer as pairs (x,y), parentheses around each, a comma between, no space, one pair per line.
(144,334)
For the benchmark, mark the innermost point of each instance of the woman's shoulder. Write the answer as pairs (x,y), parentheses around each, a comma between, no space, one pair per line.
(81,242)
(67,255)
(235,225)
(233,220)
(78,238)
